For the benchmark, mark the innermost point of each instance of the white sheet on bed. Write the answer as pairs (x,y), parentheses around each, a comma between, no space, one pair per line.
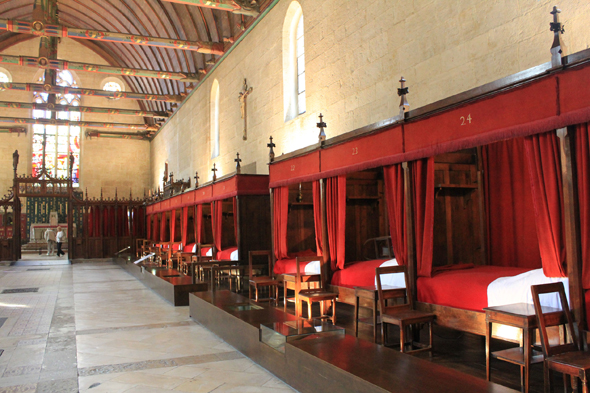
(234,255)
(392,279)
(209,252)
(312,267)
(517,289)
(194,248)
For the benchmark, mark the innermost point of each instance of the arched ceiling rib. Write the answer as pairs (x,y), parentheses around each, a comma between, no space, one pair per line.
(155,18)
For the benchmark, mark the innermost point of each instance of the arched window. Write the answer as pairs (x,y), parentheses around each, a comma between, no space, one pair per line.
(214,119)
(113,84)
(54,143)
(293,62)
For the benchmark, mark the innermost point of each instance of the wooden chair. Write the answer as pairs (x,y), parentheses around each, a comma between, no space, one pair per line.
(566,357)
(197,259)
(402,315)
(318,294)
(141,246)
(261,281)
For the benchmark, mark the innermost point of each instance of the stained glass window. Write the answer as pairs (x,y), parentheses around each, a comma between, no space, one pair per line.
(59,140)
(4,77)
(112,86)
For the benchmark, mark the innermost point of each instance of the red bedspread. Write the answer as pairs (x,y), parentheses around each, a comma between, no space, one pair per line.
(357,274)
(466,288)
(289,265)
(225,255)
(189,247)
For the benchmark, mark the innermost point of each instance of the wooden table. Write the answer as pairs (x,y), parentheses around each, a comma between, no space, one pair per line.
(522,316)
(370,293)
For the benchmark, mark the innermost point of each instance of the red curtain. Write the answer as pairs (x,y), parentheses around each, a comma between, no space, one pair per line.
(199,224)
(423,185)
(582,143)
(336,220)
(113,226)
(396,211)
(163,228)
(217,219)
(96,220)
(184,225)
(105,221)
(280,219)
(155,234)
(512,236)
(235,210)
(173,225)
(90,223)
(544,164)
(317,216)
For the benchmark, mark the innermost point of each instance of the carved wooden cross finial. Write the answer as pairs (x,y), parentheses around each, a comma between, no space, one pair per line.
(214,170)
(558,47)
(15,157)
(404,106)
(237,161)
(321,125)
(171,177)
(242,97)
(196,179)
(271,153)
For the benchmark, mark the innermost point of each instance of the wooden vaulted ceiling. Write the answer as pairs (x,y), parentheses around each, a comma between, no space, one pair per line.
(154,18)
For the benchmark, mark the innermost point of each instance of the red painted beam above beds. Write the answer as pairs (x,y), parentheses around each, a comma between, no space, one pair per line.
(295,170)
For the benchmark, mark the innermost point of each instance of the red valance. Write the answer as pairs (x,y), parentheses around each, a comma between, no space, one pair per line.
(512,236)
(317,217)
(396,211)
(544,164)
(295,170)
(280,219)
(423,185)
(336,220)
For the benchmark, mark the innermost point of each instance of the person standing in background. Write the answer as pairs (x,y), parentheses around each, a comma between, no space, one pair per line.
(60,238)
(50,239)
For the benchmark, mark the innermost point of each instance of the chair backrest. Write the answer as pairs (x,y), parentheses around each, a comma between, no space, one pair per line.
(298,261)
(200,256)
(259,253)
(384,295)
(547,318)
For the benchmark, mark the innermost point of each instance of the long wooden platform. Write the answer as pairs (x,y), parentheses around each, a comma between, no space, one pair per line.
(333,363)
(170,284)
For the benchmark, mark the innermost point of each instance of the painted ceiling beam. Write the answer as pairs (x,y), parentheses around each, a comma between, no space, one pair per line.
(45,63)
(39,88)
(39,28)
(144,136)
(59,122)
(244,7)
(82,109)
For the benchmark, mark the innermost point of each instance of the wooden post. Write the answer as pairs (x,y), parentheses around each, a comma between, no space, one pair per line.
(238,231)
(482,210)
(572,224)
(409,196)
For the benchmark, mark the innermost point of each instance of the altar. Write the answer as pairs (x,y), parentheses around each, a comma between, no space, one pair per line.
(37,232)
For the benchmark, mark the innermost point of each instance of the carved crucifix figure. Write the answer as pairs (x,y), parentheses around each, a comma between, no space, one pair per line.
(242,97)
(165,178)
(237,161)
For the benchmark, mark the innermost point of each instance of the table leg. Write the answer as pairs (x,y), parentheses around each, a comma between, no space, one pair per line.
(527,333)
(375,319)
(356,317)
(488,337)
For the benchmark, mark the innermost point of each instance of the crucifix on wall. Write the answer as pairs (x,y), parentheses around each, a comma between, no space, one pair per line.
(242,97)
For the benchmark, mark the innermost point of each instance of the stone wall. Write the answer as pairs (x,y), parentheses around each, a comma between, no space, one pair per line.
(356,51)
(106,163)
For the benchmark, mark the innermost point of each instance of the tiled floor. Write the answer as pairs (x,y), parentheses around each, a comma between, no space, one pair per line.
(91,327)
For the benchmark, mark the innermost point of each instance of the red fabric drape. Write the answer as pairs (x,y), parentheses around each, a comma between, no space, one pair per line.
(163,228)
(217,219)
(544,164)
(90,222)
(317,216)
(235,210)
(96,220)
(173,225)
(336,219)
(396,211)
(423,185)
(156,227)
(105,221)
(199,224)
(184,225)
(512,238)
(280,219)
(582,143)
